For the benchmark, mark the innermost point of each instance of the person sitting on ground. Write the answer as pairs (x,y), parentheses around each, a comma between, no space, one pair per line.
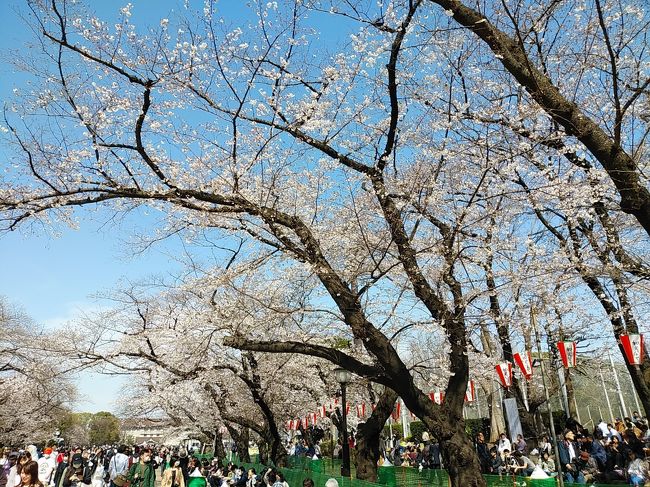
(523,465)
(547,464)
(586,468)
(596,449)
(544,445)
(504,443)
(495,462)
(637,469)
(521,445)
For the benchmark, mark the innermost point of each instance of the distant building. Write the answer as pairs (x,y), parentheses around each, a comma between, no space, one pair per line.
(156,431)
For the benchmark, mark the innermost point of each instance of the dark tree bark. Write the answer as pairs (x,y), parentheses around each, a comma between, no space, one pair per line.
(251,376)
(241,438)
(368,436)
(447,420)
(264,452)
(219,450)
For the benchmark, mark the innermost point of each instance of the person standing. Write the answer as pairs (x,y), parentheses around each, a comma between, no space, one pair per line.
(173,476)
(98,468)
(118,465)
(12,471)
(29,475)
(143,473)
(45,467)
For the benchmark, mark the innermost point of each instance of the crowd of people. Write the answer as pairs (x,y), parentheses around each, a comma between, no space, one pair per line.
(133,467)
(610,453)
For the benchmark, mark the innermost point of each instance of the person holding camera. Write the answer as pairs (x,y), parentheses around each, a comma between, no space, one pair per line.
(143,473)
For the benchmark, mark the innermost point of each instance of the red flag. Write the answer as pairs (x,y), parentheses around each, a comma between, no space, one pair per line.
(470,393)
(361,410)
(347,409)
(567,353)
(633,348)
(396,411)
(525,363)
(504,371)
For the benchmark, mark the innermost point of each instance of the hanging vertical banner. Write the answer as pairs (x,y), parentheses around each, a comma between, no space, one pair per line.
(361,410)
(314,418)
(525,364)
(504,371)
(470,393)
(322,411)
(633,348)
(347,408)
(437,397)
(396,411)
(567,353)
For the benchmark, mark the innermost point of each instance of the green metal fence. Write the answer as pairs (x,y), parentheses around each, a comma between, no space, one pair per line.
(300,468)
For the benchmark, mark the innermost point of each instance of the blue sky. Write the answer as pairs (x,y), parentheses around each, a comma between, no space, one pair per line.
(54,277)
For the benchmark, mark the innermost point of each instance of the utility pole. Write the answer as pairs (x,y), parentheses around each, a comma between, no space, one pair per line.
(618,386)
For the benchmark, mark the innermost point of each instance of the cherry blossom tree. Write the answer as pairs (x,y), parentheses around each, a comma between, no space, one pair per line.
(370,177)
(29,380)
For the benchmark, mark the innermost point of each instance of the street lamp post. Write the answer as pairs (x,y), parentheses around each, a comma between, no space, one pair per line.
(343,377)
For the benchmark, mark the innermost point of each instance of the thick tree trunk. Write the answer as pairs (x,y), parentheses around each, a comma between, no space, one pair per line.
(263,451)
(497,422)
(368,437)
(459,456)
(278,452)
(219,450)
(241,439)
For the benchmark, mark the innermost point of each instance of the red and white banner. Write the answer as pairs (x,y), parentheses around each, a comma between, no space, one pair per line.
(567,353)
(332,404)
(314,418)
(361,410)
(470,393)
(504,371)
(633,348)
(437,397)
(396,411)
(525,363)
(322,411)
